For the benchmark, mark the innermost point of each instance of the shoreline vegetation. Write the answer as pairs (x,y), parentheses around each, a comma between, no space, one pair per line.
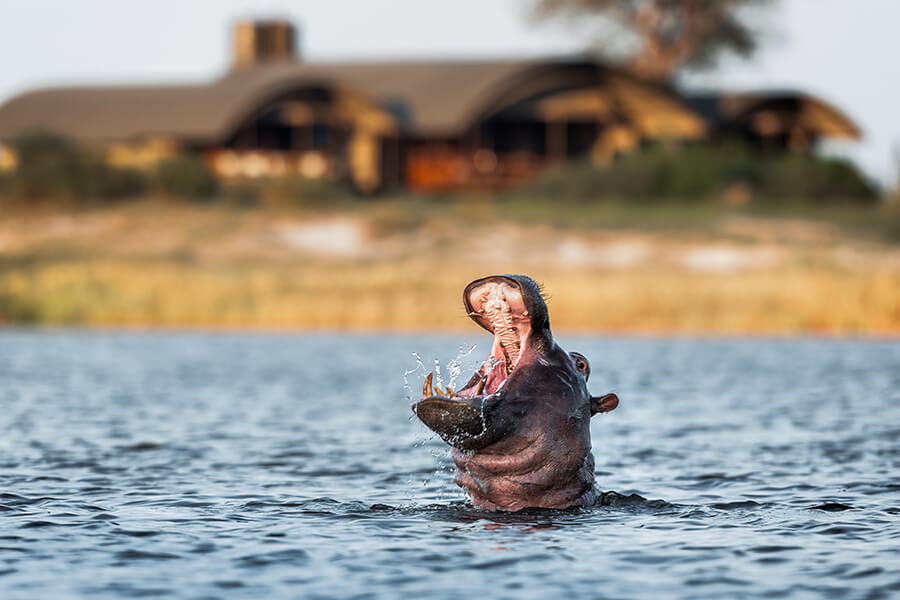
(702,239)
(399,263)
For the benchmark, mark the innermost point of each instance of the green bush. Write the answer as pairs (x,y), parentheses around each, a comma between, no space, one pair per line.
(52,167)
(185,176)
(649,173)
(48,166)
(107,182)
(810,177)
(704,171)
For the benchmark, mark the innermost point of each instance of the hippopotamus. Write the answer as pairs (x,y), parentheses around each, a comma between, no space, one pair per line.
(520,428)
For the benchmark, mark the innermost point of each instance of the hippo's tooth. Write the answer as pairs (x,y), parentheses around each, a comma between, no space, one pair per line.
(450,392)
(427,391)
(481,386)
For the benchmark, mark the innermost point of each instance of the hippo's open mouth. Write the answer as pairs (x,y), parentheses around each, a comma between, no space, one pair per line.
(497,304)
(500,305)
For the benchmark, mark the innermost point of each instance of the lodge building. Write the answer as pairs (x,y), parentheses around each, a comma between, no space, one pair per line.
(420,125)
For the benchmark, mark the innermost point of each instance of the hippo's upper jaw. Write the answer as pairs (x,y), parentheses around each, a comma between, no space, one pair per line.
(510,307)
(520,426)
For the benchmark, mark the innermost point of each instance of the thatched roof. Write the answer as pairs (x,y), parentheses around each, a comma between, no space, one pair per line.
(774,111)
(427,98)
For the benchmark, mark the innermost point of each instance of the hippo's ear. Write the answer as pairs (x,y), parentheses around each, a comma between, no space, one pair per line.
(603,403)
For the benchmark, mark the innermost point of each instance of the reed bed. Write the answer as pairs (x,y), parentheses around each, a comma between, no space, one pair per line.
(386,297)
(209,268)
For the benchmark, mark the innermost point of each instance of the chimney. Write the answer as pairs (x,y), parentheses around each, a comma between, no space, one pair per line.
(262,42)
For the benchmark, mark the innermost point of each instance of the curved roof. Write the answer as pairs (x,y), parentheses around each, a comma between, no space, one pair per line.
(428,98)
(201,113)
(811,113)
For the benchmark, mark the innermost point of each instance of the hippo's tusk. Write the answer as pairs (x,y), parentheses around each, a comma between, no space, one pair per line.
(427,391)
(481,386)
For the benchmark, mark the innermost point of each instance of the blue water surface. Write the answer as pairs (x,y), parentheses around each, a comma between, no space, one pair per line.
(192,465)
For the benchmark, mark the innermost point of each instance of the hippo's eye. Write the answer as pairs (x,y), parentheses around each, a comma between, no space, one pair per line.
(581,364)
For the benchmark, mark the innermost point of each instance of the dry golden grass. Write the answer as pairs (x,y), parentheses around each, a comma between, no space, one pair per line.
(194,267)
(117,293)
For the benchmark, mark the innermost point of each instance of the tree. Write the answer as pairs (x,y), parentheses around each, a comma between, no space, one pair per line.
(656,38)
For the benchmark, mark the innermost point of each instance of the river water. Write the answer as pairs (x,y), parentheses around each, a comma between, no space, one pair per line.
(286,466)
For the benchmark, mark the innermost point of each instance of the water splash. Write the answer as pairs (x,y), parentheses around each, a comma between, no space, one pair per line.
(438,485)
(438,378)
(420,366)
(454,369)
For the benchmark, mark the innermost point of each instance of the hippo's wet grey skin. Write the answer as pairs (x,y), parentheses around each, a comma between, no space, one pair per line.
(520,428)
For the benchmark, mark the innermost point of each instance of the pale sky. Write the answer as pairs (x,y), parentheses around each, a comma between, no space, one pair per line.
(847,51)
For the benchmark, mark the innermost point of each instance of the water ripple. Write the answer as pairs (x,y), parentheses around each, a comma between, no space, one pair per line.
(214,465)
